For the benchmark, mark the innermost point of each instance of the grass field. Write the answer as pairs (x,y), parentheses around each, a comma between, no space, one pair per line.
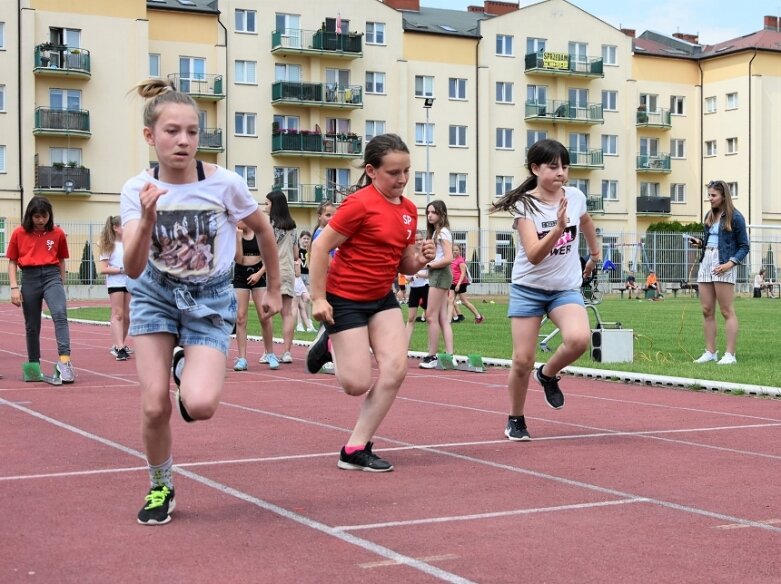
(667,337)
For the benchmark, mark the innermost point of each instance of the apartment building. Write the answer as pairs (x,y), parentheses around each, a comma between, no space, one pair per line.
(290,91)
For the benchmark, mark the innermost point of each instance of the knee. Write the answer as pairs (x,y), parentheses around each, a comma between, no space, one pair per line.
(522,365)
(356,385)
(157,413)
(578,343)
(241,319)
(199,408)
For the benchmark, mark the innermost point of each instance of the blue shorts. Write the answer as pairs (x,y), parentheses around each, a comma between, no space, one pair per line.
(526,302)
(198,314)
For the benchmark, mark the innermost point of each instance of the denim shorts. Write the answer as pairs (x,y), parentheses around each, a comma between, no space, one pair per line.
(525,301)
(198,314)
(350,314)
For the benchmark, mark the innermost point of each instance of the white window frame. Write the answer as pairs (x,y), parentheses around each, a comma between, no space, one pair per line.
(534,136)
(3,169)
(582,184)
(537,94)
(504,92)
(246,21)
(733,189)
(249,174)
(374,128)
(424,86)
(609,144)
(610,55)
(504,139)
(2,98)
(504,184)
(424,134)
(677,192)
(677,148)
(287,72)
(710,106)
(65,155)
(2,35)
(457,136)
(535,45)
(649,146)
(375,83)
(457,184)
(287,179)
(375,33)
(245,72)
(154,65)
(247,119)
(579,142)
(456,88)
(578,51)
(65,97)
(677,105)
(710,148)
(650,101)
(650,189)
(504,45)
(424,182)
(731,147)
(731,101)
(609,100)
(609,190)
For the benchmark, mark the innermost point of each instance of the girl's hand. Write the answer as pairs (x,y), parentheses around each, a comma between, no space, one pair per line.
(16,297)
(323,311)
(271,304)
(561,214)
(254,278)
(723,268)
(148,197)
(428,249)
(588,269)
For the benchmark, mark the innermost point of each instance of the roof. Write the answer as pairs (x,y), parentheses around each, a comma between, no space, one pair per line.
(443,21)
(657,44)
(199,6)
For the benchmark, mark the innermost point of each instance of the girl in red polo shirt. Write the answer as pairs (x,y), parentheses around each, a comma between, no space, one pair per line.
(40,249)
(374,231)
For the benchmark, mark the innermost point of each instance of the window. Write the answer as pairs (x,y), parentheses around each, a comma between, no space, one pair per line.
(335,125)
(338,181)
(505,250)
(732,146)
(65,99)
(577,52)
(245,72)
(537,94)
(288,72)
(649,146)
(423,182)
(2,98)
(2,160)
(535,45)
(424,134)
(649,189)
(533,136)
(192,72)
(609,53)
(286,180)
(2,38)
(504,138)
(733,189)
(610,101)
(650,101)
(154,65)
(456,88)
(375,82)
(374,128)
(504,184)
(457,183)
(677,103)
(245,124)
(424,86)
(457,136)
(578,143)
(677,193)
(248,173)
(710,148)
(289,27)
(579,183)
(732,101)
(710,105)
(578,98)
(504,92)
(504,45)
(677,148)
(610,190)
(375,33)
(610,144)
(245,20)
(69,156)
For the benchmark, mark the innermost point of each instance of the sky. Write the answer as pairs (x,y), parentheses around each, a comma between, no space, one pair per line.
(714,20)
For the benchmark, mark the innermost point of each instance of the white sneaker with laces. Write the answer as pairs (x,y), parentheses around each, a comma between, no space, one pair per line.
(300,328)
(286,357)
(263,360)
(708,356)
(727,359)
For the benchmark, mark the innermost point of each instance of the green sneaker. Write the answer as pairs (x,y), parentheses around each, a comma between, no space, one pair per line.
(158,506)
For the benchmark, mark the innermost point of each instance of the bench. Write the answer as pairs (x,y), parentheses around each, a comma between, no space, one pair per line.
(676,287)
(622,289)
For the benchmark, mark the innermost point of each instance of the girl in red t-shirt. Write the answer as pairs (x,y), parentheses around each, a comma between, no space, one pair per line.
(374,231)
(40,249)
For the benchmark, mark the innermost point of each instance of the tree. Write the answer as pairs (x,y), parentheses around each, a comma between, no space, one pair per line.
(87,271)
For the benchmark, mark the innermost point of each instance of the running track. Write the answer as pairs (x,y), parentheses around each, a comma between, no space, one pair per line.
(626,484)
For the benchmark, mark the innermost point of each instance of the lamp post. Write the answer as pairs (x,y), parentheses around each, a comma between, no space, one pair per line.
(427,103)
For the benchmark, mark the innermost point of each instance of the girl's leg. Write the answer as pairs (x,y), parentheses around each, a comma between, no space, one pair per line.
(451,304)
(572,320)
(725,295)
(202,380)
(32,303)
(299,322)
(54,295)
(118,314)
(126,312)
(242,297)
(267,330)
(153,365)
(465,301)
(708,304)
(288,323)
(524,333)
(437,303)
(445,324)
(304,301)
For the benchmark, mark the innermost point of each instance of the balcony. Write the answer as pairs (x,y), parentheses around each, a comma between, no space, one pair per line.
(62,179)
(588,160)
(595,204)
(210,140)
(205,87)
(294,41)
(310,144)
(59,122)
(563,64)
(653,205)
(661,119)
(62,61)
(313,195)
(327,95)
(562,111)
(659,163)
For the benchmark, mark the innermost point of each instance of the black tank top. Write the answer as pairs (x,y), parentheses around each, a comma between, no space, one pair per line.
(250,247)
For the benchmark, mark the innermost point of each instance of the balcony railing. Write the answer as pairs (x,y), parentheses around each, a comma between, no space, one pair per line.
(658,119)
(549,63)
(314,194)
(656,163)
(313,144)
(199,86)
(595,204)
(587,159)
(55,178)
(322,42)
(62,60)
(564,111)
(210,140)
(653,205)
(317,94)
(55,122)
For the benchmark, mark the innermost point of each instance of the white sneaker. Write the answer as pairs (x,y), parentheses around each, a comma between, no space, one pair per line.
(286,357)
(727,359)
(311,329)
(708,356)
(300,328)
(263,360)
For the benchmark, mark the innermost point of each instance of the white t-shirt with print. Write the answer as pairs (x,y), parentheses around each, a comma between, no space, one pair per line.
(116,259)
(194,237)
(561,270)
(444,235)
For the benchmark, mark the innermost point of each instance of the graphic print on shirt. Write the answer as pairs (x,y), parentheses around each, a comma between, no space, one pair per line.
(407,220)
(49,244)
(183,242)
(564,244)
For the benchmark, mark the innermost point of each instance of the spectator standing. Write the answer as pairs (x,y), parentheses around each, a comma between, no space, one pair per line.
(112,265)
(460,284)
(249,280)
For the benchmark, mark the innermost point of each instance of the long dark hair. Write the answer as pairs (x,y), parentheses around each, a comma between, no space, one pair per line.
(727,207)
(433,231)
(280,213)
(541,152)
(38,206)
(375,151)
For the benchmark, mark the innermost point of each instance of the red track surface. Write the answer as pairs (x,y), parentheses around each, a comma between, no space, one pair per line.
(625,484)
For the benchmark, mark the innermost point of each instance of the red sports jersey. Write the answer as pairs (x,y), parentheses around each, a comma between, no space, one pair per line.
(37,248)
(377,232)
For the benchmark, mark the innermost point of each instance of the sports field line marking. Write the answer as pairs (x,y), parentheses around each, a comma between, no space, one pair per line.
(737,526)
(367,545)
(491,515)
(73,473)
(388,563)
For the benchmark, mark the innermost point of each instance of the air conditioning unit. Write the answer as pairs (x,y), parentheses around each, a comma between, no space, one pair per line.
(599,231)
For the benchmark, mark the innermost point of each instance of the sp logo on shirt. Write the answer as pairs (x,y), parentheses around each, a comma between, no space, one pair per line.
(49,244)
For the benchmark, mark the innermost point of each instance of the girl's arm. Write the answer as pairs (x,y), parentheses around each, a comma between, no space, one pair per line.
(137,233)
(413,260)
(445,260)
(462,275)
(107,269)
(62,270)
(259,224)
(588,229)
(319,260)
(297,262)
(538,249)
(239,255)
(16,294)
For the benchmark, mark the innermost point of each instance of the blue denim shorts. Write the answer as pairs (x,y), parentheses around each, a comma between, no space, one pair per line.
(198,314)
(525,301)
